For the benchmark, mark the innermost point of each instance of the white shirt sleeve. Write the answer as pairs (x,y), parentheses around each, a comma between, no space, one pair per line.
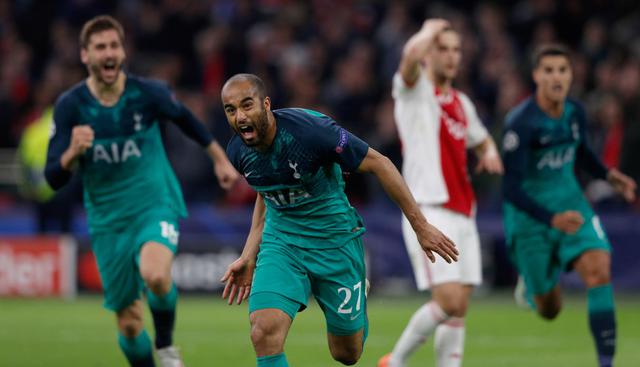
(476,132)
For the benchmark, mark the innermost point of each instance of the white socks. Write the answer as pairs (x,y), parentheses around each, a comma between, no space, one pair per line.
(422,324)
(449,342)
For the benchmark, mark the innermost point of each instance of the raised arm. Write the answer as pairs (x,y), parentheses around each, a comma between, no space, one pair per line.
(66,144)
(173,110)
(416,48)
(430,238)
(239,274)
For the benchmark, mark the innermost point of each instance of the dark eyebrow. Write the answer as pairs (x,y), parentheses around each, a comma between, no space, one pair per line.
(241,102)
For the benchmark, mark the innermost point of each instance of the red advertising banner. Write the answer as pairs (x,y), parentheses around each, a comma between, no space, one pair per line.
(38,266)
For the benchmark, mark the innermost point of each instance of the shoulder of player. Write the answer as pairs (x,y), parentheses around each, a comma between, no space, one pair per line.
(67,102)
(422,82)
(234,146)
(155,87)
(576,106)
(520,115)
(71,95)
(301,118)
(464,99)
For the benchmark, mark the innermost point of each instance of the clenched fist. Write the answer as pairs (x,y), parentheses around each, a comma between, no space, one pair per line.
(81,139)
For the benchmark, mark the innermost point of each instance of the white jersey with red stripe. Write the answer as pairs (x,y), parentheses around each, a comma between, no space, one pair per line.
(436,130)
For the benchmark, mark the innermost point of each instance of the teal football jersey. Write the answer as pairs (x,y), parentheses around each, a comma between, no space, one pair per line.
(540,157)
(300,179)
(126,172)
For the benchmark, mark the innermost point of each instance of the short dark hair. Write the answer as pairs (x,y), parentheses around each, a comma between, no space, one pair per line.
(253,79)
(99,24)
(549,49)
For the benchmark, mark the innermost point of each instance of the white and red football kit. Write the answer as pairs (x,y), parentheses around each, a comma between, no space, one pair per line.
(436,129)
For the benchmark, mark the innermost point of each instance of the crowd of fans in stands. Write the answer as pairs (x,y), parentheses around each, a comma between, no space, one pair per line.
(334,56)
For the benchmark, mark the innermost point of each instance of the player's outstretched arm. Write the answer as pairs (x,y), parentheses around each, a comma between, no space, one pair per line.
(226,174)
(239,274)
(416,48)
(430,238)
(623,184)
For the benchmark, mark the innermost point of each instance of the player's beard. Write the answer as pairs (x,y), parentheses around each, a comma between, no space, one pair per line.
(97,70)
(261,126)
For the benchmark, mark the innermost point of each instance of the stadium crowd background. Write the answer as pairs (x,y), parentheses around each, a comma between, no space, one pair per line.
(334,56)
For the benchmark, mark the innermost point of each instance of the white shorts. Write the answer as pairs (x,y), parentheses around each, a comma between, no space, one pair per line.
(463,232)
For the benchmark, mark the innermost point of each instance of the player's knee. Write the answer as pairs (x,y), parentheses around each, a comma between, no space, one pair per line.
(158,282)
(455,306)
(347,355)
(549,309)
(264,333)
(130,326)
(549,313)
(596,277)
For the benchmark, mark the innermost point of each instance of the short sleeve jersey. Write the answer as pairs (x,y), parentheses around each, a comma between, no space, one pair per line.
(300,179)
(436,129)
(126,172)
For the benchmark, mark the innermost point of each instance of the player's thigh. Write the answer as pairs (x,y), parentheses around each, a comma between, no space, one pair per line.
(338,282)
(157,239)
(116,259)
(590,237)
(470,259)
(279,281)
(536,258)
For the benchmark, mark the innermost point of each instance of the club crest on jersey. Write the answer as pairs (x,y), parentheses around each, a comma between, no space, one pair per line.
(294,167)
(137,117)
(575,130)
(116,153)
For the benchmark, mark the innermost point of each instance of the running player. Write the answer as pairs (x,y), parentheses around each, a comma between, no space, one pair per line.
(108,127)
(305,237)
(437,123)
(549,225)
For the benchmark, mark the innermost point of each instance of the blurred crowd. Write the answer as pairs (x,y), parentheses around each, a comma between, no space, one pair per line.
(334,56)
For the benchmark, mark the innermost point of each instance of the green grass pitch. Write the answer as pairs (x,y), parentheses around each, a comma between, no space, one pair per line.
(81,333)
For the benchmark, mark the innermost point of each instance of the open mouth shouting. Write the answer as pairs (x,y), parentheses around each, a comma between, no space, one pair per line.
(110,69)
(247,132)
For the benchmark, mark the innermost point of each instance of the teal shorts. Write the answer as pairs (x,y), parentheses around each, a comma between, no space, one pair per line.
(287,275)
(118,255)
(541,257)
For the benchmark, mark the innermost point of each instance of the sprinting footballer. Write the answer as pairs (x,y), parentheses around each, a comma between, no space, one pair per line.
(108,128)
(549,225)
(305,236)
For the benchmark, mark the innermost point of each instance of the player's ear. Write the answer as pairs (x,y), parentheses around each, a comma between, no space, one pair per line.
(84,55)
(267,103)
(534,75)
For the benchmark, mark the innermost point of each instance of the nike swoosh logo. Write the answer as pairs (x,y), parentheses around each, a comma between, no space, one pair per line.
(355,316)
(247,174)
